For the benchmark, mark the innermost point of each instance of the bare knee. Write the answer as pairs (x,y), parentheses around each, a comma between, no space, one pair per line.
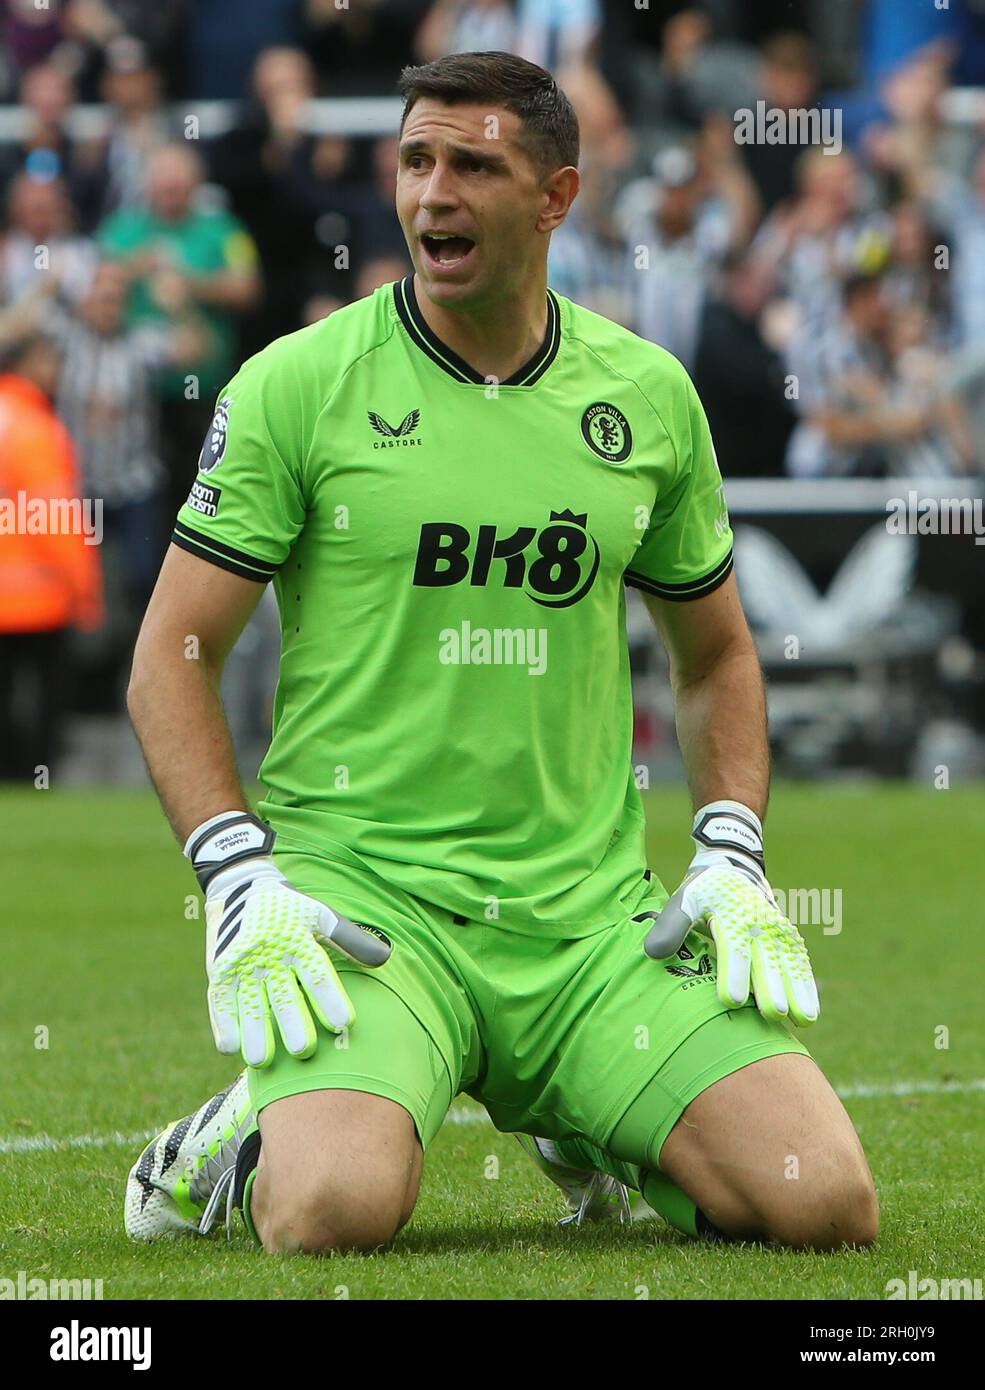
(827,1215)
(338,1171)
(769,1153)
(324,1217)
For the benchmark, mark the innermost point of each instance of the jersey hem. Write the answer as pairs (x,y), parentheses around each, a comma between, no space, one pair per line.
(576,929)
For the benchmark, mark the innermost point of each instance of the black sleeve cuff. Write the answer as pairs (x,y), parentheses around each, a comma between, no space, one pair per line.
(690,589)
(227,557)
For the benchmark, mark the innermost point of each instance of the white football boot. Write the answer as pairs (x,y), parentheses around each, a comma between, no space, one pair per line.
(178,1182)
(589,1194)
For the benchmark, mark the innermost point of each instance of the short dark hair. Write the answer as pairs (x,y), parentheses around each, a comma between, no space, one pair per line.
(791,52)
(859,283)
(550,126)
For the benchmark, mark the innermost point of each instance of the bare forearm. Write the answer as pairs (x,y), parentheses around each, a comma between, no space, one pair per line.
(721,727)
(872,426)
(177,714)
(226,289)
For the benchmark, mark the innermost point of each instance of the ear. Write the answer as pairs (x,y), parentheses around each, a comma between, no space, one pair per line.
(560,191)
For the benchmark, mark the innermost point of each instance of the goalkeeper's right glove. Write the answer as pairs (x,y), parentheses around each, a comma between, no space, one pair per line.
(726,895)
(266,943)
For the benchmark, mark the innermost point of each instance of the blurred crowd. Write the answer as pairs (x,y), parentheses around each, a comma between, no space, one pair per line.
(828,299)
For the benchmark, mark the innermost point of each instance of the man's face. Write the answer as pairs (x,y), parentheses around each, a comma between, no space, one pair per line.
(171,187)
(870,311)
(104,305)
(678,208)
(48,93)
(831,183)
(282,73)
(38,208)
(787,87)
(133,92)
(453,178)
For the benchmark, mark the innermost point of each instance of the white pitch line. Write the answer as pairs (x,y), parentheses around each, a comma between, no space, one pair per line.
(910,1088)
(47,1143)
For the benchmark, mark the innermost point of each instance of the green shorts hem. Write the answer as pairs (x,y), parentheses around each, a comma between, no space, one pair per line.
(679,1085)
(425,1122)
(755,1052)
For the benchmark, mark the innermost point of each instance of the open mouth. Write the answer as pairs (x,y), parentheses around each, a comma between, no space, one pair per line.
(445,250)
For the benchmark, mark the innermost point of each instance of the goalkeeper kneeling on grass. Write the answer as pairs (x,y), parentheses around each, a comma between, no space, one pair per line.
(449,483)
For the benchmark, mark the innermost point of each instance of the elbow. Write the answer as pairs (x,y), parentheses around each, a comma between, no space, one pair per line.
(164,668)
(136,689)
(145,677)
(738,653)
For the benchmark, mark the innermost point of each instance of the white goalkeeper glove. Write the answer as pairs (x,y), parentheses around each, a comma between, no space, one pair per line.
(727,895)
(266,943)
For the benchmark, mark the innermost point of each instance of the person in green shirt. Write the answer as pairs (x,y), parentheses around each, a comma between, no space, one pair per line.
(450,483)
(208,248)
(177,251)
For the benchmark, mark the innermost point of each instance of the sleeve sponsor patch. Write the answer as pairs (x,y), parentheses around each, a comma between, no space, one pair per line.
(205,499)
(214,448)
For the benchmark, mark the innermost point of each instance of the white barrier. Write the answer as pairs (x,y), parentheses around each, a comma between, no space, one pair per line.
(323,116)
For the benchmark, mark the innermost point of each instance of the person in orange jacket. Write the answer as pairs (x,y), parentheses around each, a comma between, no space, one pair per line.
(50,570)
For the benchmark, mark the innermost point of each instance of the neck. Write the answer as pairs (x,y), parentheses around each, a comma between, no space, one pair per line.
(496,339)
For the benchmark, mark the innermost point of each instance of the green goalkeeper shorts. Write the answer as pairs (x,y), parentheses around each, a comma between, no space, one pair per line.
(554,1037)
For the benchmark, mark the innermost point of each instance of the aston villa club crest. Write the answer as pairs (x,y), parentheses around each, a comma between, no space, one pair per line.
(606,432)
(214,448)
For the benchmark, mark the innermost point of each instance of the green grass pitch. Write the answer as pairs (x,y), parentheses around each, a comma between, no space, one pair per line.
(98,952)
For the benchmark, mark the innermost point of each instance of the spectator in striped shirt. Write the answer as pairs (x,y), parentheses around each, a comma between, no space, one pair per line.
(870,402)
(107,398)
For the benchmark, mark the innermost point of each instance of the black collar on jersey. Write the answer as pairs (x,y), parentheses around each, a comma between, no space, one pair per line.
(413,320)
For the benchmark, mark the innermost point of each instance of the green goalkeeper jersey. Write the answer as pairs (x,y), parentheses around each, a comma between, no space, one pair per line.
(449,554)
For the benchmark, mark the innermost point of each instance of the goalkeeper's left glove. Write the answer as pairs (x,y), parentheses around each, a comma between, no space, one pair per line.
(726,893)
(268,945)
